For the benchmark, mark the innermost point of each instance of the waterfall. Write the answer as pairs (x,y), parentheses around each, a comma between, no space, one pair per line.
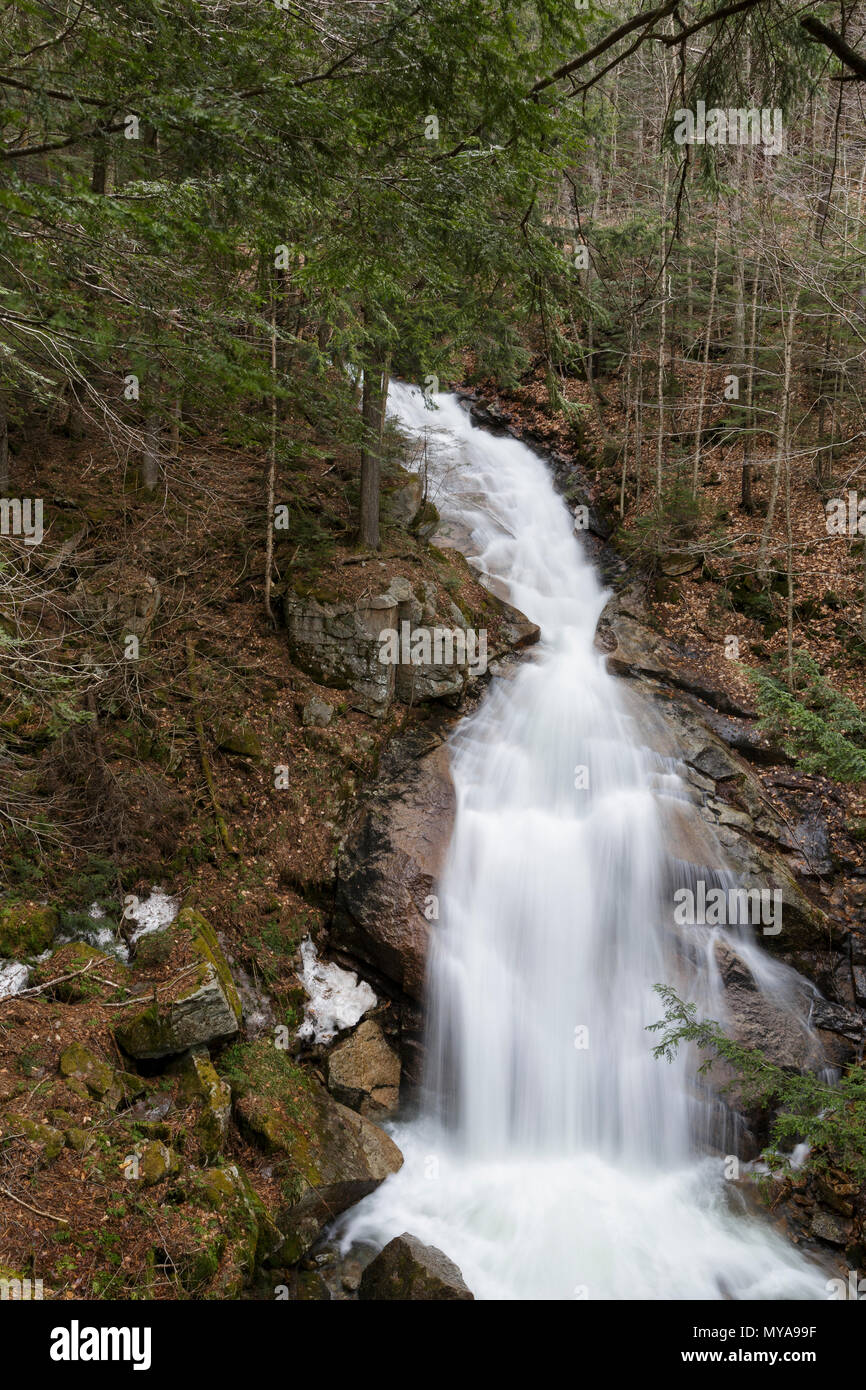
(554,1156)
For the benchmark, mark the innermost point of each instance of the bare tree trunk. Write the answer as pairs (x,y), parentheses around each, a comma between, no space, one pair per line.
(373,401)
(150,454)
(4,451)
(99,175)
(782,439)
(272,462)
(662,337)
(175,417)
(789,567)
(705,371)
(746,499)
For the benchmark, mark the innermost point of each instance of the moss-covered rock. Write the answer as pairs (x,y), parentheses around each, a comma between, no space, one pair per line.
(47,1140)
(199,1082)
(241,742)
(203,1006)
(236,1232)
(156,1162)
(327,1156)
(80,1064)
(27,929)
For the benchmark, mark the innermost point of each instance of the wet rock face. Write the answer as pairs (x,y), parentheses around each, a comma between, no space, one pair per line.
(409,1271)
(728,821)
(364,1071)
(756,1022)
(391,861)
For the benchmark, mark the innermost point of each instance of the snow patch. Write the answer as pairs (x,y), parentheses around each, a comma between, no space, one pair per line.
(151,914)
(13,977)
(337,998)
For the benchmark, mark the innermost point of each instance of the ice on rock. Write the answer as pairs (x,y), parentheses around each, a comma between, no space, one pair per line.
(337,998)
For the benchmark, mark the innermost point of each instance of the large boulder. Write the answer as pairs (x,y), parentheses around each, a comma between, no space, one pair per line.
(336,641)
(391,860)
(402,497)
(198,1005)
(409,1271)
(326,1156)
(364,1071)
(397,644)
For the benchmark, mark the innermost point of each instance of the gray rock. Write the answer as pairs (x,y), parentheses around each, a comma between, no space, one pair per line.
(831,1228)
(407,1271)
(403,502)
(317,714)
(836,1018)
(332,1160)
(756,1022)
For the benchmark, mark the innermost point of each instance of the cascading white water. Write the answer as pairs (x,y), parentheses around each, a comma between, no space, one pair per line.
(555,1157)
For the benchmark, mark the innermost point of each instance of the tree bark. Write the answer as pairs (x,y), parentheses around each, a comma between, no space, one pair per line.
(374,396)
(272,462)
(705,369)
(150,454)
(782,436)
(746,499)
(4,451)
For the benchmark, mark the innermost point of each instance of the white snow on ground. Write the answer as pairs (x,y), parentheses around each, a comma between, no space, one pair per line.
(13,977)
(338,999)
(152,914)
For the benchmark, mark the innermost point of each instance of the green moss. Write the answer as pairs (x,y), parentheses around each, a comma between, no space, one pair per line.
(48,1140)
(80,1064)
(27,929)
(206,944)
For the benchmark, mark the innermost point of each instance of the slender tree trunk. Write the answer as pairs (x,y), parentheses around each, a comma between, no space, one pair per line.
(175,417)
(782,436)
(150,453)
(374,397)
(4,451)
(272,462)
(99,174)
(705,370)
(660,444)
(746,499)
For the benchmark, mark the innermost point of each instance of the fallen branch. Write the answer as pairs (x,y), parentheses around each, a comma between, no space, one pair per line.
(35,1210)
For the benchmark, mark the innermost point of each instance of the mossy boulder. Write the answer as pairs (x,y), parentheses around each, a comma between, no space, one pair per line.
(235,1232)
(45,1139)
(85,964)
(406,1270)
(78,1063)
(200,1083)
(27,929)
(327,1156)
(156,1162)
(241,742)
(202,1005)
